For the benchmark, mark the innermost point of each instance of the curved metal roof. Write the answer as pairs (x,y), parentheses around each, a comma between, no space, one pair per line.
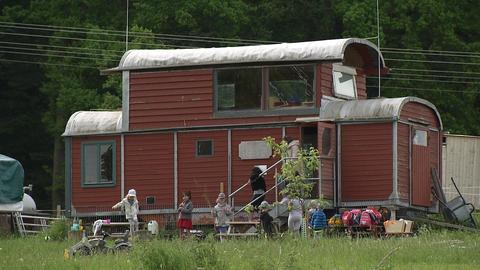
(333,50)
(94,122)
(383,108)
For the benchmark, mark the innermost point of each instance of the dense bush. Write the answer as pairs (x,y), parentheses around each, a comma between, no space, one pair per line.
(58,230)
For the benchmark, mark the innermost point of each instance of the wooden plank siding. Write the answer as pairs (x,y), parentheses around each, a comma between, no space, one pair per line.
(202,175)
(149,167)
(403,159)
(423,159)
(361,82)
(421,182)
(366,161)
(327,165)
(325,80)
(241,168)
(93,196)
(168,98)
(418,111)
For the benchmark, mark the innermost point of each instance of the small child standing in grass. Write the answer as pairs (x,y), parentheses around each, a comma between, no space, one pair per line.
(222,213)
(317,218)
(130,205)
(265,218)
(185,209)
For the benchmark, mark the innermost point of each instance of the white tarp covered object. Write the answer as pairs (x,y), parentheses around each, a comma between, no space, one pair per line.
(93,122)
(355,110)
(325,50)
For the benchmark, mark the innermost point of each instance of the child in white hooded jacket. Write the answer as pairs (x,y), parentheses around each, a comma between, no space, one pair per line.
(130,205)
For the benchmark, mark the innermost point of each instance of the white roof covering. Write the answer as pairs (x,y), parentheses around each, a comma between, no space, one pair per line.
(302,51)
(383,108)
(94,122)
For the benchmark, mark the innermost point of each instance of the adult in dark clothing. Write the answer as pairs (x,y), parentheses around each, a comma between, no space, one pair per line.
(257,182)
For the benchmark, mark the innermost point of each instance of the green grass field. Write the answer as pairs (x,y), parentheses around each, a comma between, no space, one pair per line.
(430,250)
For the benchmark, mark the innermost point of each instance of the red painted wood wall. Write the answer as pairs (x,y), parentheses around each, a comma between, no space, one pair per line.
(149,167)
(366,165)
(170,98)
(83,197)
(165,99)
(328,168)
(426,157)
(241,168)
(403,159)
(202,175)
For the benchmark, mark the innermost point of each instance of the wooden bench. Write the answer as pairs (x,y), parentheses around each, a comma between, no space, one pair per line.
(240,229)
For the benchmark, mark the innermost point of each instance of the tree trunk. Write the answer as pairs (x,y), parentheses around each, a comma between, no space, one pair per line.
(58,173)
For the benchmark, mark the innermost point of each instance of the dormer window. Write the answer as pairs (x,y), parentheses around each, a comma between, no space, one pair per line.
(290,86)
(344,85)
(270,89)
(239,89)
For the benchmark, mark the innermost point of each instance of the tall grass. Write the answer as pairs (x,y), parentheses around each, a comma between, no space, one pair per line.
(431,250)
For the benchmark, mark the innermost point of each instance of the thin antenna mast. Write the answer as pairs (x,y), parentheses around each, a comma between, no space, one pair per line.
(126,32)
(378,46)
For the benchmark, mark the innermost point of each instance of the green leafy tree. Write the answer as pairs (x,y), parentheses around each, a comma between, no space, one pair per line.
(295,172)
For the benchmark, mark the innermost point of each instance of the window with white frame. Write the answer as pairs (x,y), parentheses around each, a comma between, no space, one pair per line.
(344,85)
(98,163)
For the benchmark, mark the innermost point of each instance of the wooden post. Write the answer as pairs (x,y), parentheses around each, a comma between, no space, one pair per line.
(221,186)
(59,211)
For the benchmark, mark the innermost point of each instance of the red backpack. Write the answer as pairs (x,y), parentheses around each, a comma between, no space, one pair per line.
(346,217)
(376,215)
(351,218)
(366,220)
(370,217)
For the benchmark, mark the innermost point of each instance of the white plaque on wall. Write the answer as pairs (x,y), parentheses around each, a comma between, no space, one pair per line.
(254,150)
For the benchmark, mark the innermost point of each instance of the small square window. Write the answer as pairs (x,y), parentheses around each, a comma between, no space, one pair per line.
(204,148)
(344,85)
(420,138)
(150,199)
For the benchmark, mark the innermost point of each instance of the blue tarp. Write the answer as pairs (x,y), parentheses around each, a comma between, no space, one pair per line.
(11,180)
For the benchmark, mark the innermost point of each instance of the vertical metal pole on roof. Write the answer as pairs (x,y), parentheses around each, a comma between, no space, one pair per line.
(126,31)
(378,45)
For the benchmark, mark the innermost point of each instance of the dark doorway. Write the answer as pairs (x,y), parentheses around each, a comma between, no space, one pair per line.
(309,139)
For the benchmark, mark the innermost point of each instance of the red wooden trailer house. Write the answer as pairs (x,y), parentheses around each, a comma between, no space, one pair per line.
(194,118)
